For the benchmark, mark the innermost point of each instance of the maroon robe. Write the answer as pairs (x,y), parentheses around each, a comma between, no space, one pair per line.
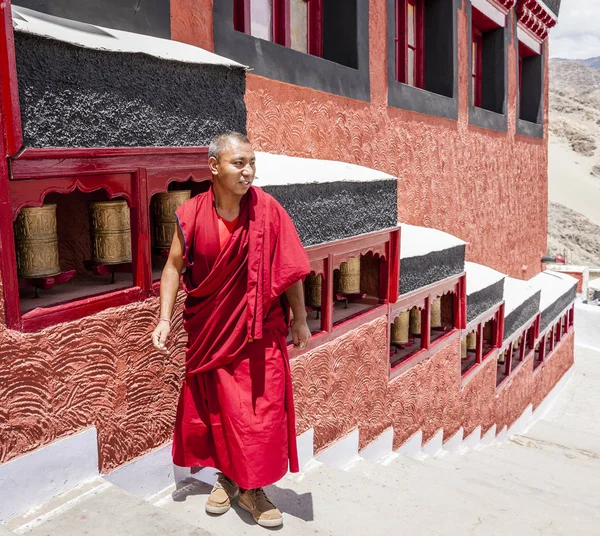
(236,409)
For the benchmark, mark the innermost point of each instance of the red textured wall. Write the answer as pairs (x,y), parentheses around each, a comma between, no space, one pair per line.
(102,371)
(579,277)
(487,188)
(344,385)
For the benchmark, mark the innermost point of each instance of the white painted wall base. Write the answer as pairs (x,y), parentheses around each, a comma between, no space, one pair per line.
(379,448)
(521,424)
(502,437)
(488,438)
(305,443)
(455,443)
(412,445)
(434,445)
(546,404)
(473,439)
(342,452)
(35,478)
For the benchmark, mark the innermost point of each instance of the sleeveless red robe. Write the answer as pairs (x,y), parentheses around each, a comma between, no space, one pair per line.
(236,410)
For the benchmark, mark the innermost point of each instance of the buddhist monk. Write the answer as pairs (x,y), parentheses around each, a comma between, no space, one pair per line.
(244,265)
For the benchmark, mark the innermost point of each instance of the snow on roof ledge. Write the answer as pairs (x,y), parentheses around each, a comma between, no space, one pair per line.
(552,285)
(96,37)
(416,241)
(282,170)
(516,292)
(480,277)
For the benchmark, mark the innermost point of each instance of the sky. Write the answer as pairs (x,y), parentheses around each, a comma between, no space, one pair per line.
(577,34)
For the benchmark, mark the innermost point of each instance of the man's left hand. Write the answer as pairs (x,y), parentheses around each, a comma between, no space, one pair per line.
(300,333)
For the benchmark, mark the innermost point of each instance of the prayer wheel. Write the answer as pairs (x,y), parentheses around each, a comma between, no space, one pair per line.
(164,206)
(350,276)
(502,357)
(436,313)
(36,242)
(472,341)
(517,343)
(463,347)
(415,321)
(111,232)
(314,285)
(400,328)
(488,331)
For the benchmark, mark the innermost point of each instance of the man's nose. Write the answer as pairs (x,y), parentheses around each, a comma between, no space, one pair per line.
(247,171)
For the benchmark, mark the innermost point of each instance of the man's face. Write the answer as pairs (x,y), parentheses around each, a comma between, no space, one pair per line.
(235,168)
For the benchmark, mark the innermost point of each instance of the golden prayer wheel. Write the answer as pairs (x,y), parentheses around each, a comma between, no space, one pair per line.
(488,331)
(350,276)
(502,357)
(36,242)
(472,341)
(400,328)
(415,321)
(111,232)
(436,313)
(164,206)
(517,343)
(314,285)
(463,347)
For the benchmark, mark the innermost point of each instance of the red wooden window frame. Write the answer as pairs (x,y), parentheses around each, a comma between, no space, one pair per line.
(281,33)
(426,295)
(326,258)
(476,66)
(135,174)
(403,46)
(496,315)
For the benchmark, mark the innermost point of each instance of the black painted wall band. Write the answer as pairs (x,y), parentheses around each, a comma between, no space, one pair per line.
(72,96)
(550,314)
(522,314)
(483,300)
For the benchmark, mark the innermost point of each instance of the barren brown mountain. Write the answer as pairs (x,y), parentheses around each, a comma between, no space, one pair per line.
(574,160)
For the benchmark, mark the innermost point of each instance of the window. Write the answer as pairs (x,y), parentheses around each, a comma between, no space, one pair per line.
(422,56)
(104,224)
(488,65)
(519,348)
(476,66)
(409,42)
(422,319)
(530,84)
(483,335)
(350,283)
(297,24)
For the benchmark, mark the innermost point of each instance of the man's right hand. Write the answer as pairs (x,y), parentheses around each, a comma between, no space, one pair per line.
(160,334)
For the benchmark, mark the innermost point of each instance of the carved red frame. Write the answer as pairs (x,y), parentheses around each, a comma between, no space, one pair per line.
(132,173)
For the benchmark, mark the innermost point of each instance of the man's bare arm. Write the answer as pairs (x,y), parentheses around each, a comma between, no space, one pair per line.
(300,330)
(169,285)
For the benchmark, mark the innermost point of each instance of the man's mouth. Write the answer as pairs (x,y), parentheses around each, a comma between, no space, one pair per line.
(245,183)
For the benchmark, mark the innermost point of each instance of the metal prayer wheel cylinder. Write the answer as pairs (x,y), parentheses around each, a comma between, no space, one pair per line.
(502,357)
(488,331)
(415,321)
(400,328)
(350,276)
(472,341)
(36,242)
(164,206)
(314,285)
(517,343)
(463,347)
(110,229)
(436,313)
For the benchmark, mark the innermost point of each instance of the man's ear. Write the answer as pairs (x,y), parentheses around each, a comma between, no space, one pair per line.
(213,164)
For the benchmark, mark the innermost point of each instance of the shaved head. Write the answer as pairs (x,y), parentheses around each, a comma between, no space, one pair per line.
(220,143)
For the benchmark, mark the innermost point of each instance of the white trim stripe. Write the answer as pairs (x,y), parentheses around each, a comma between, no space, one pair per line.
(490,11)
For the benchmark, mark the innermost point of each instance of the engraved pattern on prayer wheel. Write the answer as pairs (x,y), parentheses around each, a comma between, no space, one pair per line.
(463,347)
(472,341)
(436,313)
(314,285)
(400,328)
(36,242)
(111,232)
(415,321)
(164,206)
(350,276)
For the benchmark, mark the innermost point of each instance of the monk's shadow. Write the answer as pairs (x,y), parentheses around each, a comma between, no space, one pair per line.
(287,500)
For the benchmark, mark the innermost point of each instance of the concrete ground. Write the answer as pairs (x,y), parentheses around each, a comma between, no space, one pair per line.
(542,483)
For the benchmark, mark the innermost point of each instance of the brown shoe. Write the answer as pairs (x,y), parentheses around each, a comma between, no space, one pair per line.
(219,500)
(262,509)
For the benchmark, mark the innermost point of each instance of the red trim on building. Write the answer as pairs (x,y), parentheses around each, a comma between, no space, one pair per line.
(405,46)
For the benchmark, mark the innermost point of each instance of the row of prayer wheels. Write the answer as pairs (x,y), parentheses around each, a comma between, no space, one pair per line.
(349,282)
(36,237)
(409,322)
